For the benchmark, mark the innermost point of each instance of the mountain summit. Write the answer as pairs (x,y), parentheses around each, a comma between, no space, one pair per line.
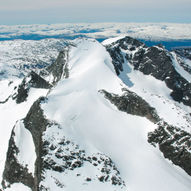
(111,116)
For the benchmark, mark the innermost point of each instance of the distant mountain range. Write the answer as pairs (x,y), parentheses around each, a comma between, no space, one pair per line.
(169,34)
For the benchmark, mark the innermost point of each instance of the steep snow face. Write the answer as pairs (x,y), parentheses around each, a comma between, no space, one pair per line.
(153,90)
(157,95)
(10,113)
(91,121)
(180,69)
(24,142)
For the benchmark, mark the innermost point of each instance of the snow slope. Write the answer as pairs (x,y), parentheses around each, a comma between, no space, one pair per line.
(10,113)
(19,187)
(180,69)
(24,142)
(91,121)
(156,93)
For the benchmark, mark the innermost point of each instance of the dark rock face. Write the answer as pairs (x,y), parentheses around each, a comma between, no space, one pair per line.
(174,143)
(36,123)
(114,50)
(155,61)
(184,52)
(131,103)
(38,82)
(59,68)
(183,62)
(158,63)
(15,172)
(32,80)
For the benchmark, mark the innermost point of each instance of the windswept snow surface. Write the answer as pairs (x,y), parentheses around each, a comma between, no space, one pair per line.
(91,121)
(19,187)
(156,93)
(24,142)
(180,69)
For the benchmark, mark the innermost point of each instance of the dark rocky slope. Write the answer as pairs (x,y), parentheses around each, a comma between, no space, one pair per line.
(60,156)
(173,142)
(33,80)
(131,103)
(155,61)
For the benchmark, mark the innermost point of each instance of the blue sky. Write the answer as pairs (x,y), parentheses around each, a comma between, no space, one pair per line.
(63,11)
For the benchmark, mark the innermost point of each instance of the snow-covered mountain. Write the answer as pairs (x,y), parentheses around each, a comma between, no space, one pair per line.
(18,57)
(111,116)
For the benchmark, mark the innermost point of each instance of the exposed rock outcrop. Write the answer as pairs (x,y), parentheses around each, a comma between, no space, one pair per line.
(59,69)
(56,153)
(174,143)
(184,52)
(117,56)
(63,156)
(33,80)
(155,61)
(131,103)
(36,123)
(14,172)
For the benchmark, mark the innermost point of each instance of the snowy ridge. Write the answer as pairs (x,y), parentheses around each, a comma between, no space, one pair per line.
(103,118)
(83,141)
(11,112)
